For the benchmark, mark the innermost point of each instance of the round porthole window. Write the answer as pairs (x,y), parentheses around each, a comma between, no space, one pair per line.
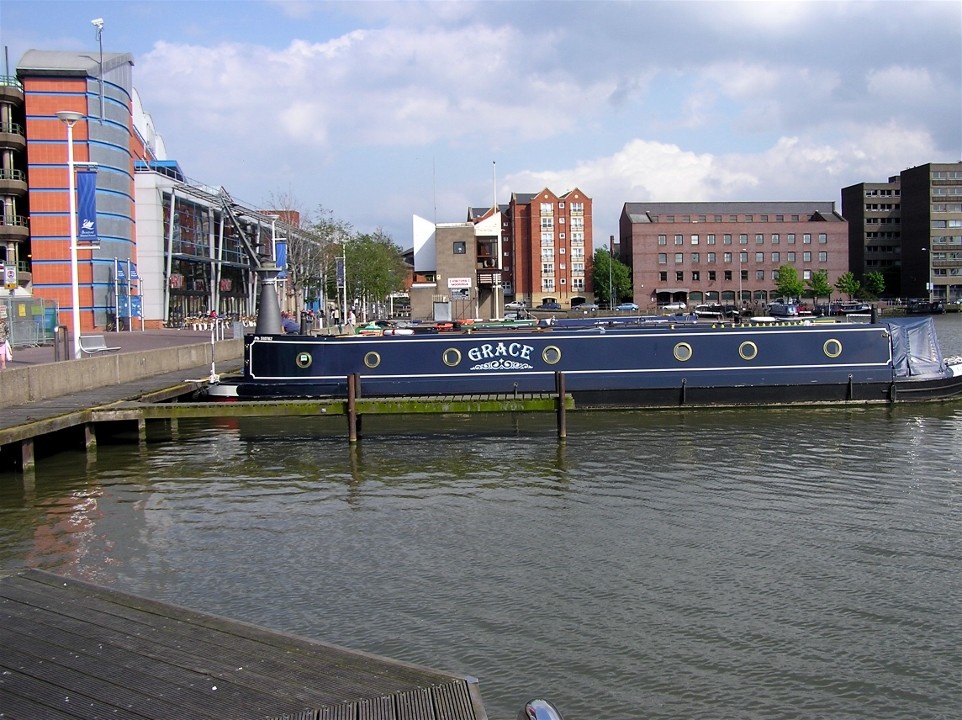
(832,348)
(372,359)
(748,350)
(551,354)
(683,352)
(451,357)
(303,360)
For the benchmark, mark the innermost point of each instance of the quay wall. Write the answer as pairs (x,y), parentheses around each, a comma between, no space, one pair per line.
(22,385)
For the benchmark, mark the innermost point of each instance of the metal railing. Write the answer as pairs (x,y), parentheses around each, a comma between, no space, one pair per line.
(31,321)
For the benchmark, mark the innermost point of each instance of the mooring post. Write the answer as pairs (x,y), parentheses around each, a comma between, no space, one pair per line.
(559,385)
(352,420)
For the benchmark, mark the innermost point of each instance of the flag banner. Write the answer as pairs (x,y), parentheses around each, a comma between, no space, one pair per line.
(133,270)
(87,207)
(280,250)
(339,268)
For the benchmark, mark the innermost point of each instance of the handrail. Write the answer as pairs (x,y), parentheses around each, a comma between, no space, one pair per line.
(11,127)
(10,81)
(13,174)
(18,220)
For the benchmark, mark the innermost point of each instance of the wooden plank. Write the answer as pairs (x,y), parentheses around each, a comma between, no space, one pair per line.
(123,656)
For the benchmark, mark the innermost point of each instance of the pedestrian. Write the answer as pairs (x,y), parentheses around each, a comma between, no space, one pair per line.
(5,352)
(351,321)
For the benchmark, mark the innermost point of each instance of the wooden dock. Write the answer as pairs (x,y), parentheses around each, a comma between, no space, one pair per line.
(157,399)
(76,651)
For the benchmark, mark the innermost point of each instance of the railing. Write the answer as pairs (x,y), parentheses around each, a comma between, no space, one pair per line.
(11,128)
(10,81)
(17,220)
(13,175)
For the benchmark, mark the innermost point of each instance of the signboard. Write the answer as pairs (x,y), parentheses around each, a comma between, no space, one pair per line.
(459,283)
(10,276)
(133,308)
(87,207)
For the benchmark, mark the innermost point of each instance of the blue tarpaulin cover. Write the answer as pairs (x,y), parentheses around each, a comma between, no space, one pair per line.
(915,347)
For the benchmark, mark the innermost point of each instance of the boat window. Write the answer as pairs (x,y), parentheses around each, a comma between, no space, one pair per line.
(683,352)
(451,357)
(372,359)
(303,360)
(551,354)
(832,348)
(748,350)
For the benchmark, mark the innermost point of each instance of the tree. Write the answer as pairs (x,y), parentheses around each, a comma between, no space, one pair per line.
(374,267)
(788,285)
(818,286)
(847,285)
(874,284)
(615,283)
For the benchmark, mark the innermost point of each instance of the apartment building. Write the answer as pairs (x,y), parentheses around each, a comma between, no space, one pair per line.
(728,252)
(910,229)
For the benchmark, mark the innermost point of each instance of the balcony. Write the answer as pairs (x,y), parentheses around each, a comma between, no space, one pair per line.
(14,228)
(13,182)
(12,137)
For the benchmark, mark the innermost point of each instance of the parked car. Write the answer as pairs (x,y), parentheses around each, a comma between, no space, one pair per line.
(675,306)
(516,305)
(586,307)
(626,307)
(549,306)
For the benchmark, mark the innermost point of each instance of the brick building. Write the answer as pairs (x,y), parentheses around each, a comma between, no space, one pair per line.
(697,252)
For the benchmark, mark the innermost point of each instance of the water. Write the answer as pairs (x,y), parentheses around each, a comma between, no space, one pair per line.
(727,564)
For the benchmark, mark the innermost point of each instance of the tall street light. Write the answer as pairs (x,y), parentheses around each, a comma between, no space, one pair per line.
(70,118)
(99,24)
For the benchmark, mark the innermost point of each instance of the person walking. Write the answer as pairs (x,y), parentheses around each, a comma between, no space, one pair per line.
(5,352)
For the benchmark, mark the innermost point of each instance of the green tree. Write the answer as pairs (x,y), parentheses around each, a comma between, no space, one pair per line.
(788,285)
(374,268)
(818,286)
(874,284)
(610,286)
(847,285)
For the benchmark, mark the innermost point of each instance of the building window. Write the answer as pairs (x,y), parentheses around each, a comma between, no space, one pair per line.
(577,207)
(547,239)
(791,238)
(807,239)
(679,276)
(822,238)
(727,239)
(695,258)
(460,248)
(759,239)
(679,240)
(711,276)
(663,276)
(694,239)
(561,236)
(711,258)
(547,209)
(806,274)
(776,257)
(807,256)
(662,239)
(823,256)
(728,275)
(679,258)
(759,274)
(791,257)
(695,276)
(726,257)
(547,223)
(662,258)
(710,239)
(561,221)
(743,257)
(743,239)
(775,239)
(759,257)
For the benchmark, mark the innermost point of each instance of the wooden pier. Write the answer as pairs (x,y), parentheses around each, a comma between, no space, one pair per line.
(74,419)
(77,651)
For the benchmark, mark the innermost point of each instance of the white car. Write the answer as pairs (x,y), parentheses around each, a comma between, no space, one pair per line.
(516,305)
(674,306)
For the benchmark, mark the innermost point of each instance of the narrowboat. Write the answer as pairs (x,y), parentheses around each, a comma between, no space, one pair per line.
(609,363)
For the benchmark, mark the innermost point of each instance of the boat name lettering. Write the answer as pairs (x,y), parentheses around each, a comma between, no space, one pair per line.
(488,350)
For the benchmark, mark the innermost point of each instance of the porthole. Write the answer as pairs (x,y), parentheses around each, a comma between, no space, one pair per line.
(451,357)
(551,354)
(683,352)
(832,347)
(303,360)
(372,359)
(748,350)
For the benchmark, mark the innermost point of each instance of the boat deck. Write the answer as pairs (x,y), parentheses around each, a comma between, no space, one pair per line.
(77,651)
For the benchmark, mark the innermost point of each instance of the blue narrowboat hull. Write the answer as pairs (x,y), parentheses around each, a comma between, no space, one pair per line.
(613,366)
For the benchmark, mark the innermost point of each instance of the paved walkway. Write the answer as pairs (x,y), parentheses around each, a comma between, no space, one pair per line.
(133,341)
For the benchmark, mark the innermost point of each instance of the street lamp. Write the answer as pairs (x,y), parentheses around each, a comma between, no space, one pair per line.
(70,118)
(99,24)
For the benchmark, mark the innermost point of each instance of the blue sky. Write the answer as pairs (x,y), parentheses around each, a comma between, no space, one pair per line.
(377,111)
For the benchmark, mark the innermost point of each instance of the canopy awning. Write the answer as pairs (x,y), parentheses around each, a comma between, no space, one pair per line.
(671,290)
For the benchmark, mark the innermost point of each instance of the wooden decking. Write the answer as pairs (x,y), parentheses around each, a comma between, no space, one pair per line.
(72,650)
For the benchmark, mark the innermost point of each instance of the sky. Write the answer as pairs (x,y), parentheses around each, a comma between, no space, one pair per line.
(378,111)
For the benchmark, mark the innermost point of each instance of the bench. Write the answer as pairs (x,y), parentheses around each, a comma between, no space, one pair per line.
(93,344)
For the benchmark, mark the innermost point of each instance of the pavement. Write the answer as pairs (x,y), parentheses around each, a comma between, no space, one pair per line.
(127,341)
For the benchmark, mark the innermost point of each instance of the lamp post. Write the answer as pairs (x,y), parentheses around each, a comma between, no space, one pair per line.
(99,24)
(70,118)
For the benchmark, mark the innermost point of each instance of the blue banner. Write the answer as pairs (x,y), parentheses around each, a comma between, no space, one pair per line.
(87,207)
(280,250)
(339,271)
